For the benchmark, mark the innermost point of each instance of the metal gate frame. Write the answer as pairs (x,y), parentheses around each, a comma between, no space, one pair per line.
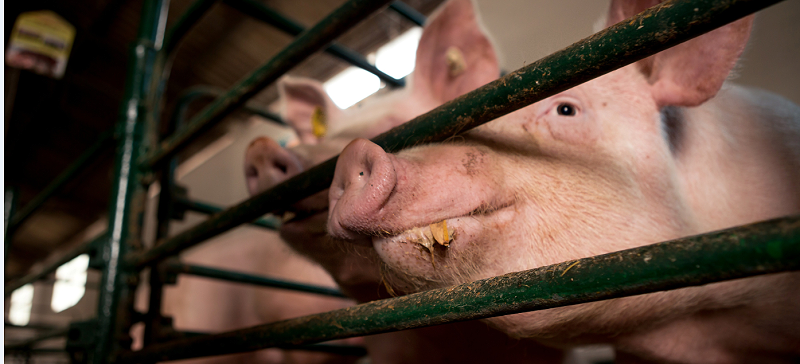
(760,248)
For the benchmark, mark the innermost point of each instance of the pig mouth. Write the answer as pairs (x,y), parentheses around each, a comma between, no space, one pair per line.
(437,251)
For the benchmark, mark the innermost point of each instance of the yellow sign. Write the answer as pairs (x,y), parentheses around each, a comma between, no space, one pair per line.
(40,42)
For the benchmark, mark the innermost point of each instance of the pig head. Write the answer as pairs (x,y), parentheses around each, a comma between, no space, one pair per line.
(654,151)
(453,57)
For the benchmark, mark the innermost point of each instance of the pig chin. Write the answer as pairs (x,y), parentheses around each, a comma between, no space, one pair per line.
(415,261)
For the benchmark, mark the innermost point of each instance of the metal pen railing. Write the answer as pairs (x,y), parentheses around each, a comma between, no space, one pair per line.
(603,52)
(733,253)
(762,248)
(263,13)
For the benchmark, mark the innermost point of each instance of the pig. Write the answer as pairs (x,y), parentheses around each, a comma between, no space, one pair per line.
(657,150)
(201,305)
(454,56)
(197,304)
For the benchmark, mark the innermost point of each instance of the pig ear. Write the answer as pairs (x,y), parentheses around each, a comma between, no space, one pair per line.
(691,72)
(301,99)
(454,55)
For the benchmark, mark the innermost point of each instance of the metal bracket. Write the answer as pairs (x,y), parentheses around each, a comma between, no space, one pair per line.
(81,338)
(178,209)
(95,252)
(168,275)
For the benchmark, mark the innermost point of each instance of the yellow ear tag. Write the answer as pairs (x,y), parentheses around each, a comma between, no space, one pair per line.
(456,63)
(319,125)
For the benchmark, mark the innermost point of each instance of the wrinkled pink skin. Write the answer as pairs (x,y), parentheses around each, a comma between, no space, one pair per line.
(357,269)
(537,187)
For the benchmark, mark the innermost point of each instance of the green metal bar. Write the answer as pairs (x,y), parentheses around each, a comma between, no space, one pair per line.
(187,20)
(643,35)
(76,167)
(767,247)
(9,325)
(28,343)
(349,350)
(10,208)
(39,351)
(263,13)
(408,12)
(193,93)
(86,248)
(205,208)
(246,278)
(303,46)
(113,314)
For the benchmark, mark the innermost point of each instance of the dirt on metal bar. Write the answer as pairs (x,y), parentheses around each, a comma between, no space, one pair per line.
(767,247)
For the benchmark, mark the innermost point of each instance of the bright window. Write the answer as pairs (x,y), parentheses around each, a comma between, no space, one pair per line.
(351,86)
(21,302)
(395,58)
(70,283)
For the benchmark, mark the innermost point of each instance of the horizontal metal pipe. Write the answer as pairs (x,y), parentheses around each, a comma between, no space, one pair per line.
(40,351)
(208,209)
(349,350)
(263,13)
(197,92)
(105,140)
(334,25)
(247,278)
(187,20)
(9,325)
(408,12)
(50,268)
(761,248)
(643,35)
(28,343)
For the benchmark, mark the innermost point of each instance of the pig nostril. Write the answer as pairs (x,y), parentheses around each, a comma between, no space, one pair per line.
(282,167)
(251,172)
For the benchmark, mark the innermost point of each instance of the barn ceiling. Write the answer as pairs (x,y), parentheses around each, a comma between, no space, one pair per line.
(50,123)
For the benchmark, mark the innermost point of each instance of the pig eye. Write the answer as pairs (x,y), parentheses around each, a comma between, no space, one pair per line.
(565,109)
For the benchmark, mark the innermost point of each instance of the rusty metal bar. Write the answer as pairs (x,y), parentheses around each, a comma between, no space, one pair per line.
(270,223)
(193,93)
(28,343)
(745,251)
(263,13)
(645,34)
(301,48)
(241,277)
(188,19)
(349,350)
(408,12)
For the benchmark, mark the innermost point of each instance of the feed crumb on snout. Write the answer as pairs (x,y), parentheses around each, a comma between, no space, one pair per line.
(428,236)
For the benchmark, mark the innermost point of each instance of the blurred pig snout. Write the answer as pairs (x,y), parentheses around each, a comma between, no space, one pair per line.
(267,164)
(364,180)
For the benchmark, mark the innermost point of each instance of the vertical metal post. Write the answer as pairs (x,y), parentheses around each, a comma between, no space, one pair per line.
(10,204)
(166,200)
(113,316)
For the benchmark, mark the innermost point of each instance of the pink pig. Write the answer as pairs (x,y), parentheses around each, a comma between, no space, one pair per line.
(655,151)
(454,57)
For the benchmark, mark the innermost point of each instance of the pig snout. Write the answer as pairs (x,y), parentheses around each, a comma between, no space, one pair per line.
(365,178)
(268,164)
